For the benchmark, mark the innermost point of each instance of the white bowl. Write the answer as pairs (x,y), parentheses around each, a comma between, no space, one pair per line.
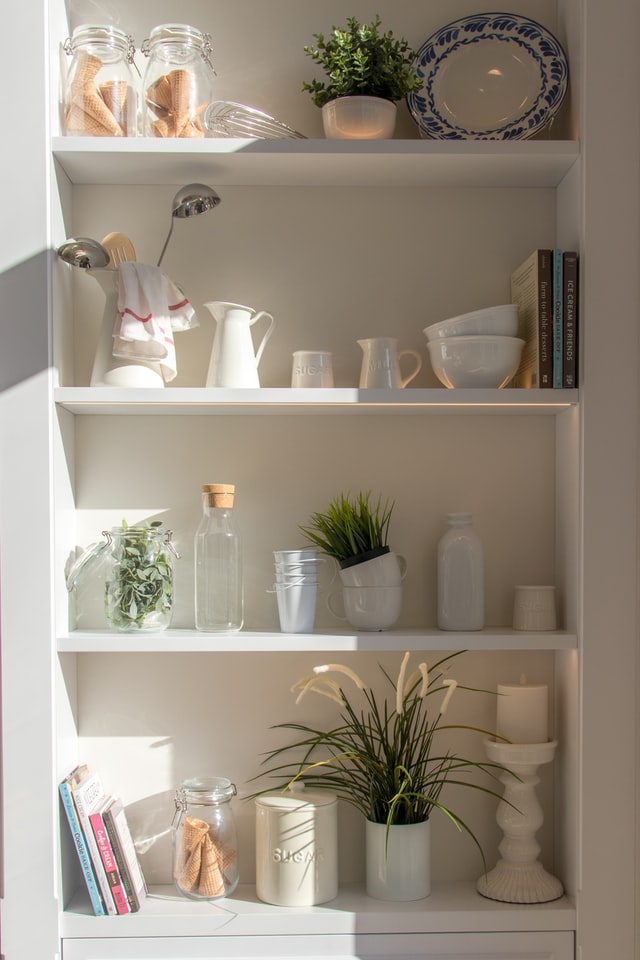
(501,321)
(475,361)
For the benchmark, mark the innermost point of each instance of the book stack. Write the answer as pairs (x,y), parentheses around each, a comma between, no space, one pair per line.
(545,287)
(103,842)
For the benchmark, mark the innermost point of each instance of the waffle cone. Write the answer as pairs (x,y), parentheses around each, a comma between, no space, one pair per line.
(189,860)
(162,128)
(87,66)
(91,103)
(193,832)
(158,96)
(77,121)
(226,855)
(211,881)
(189,877)
(115,94)
(181,90)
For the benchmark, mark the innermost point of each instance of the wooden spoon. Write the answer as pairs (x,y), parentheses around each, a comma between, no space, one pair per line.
(120,249)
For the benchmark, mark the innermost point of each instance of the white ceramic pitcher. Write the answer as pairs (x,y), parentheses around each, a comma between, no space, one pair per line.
(381,364)
(234,363)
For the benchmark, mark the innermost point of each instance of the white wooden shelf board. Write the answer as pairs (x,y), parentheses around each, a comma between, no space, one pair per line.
(409,163)
(211,400)
(245,641)
(454,908)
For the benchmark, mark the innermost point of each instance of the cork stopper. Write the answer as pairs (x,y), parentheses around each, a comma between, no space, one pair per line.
(219,494)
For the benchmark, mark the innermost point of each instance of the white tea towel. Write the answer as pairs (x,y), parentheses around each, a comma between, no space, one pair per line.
(150,309)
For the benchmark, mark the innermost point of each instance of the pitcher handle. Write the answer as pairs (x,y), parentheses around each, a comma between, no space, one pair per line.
(416,370)
(268,332)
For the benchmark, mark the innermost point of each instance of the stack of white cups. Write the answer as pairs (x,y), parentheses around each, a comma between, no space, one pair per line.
(296,589)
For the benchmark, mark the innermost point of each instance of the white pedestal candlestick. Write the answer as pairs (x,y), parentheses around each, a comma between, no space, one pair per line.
(519,877)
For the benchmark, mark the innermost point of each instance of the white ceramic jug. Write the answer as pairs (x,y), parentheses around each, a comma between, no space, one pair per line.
(381,364)
(233,360)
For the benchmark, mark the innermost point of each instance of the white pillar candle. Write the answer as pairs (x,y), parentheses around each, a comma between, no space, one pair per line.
(522,712)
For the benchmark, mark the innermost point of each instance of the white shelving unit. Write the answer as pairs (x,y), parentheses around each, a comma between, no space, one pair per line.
(549,479)
(92,641)
(209,401)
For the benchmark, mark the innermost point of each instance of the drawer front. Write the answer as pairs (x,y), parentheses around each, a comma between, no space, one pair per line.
(421,946)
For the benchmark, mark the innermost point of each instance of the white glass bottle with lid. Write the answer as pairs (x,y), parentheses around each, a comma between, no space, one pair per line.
(218,562)
(460,576)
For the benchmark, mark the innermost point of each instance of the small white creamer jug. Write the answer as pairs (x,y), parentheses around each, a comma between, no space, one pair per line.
(234,362)
(381,364)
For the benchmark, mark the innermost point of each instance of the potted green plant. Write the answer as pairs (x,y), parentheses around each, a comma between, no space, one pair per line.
(384,759)
(367,72)
(351,530)
(354,531)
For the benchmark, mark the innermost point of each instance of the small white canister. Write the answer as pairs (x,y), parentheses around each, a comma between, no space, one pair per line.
(297,848)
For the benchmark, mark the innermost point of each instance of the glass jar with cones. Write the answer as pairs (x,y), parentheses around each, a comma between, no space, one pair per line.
(100,94)
(178,81)
(205,851)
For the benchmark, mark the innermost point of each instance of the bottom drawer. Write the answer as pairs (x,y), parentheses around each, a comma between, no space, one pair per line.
(414,946)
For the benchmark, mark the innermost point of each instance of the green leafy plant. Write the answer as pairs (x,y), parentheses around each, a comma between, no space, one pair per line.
(359,60)
(140,584)
(383,758)
(350,527)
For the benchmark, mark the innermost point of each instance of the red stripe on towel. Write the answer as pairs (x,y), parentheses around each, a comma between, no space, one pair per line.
(178,306)
(135,315)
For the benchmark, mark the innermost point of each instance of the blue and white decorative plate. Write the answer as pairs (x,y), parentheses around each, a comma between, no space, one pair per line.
(492,76)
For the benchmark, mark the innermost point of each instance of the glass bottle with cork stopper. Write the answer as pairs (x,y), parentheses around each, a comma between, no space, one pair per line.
(218,562)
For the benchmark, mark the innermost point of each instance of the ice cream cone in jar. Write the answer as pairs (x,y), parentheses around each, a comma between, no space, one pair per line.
(205,851)
(100,93)
(178,81)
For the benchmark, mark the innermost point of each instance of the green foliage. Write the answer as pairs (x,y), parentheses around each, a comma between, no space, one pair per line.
(384,759)
(140,585)
(360,61)
(350,527)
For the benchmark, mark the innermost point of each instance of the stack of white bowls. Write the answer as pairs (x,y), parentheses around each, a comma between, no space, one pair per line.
(478,349)
(296,588)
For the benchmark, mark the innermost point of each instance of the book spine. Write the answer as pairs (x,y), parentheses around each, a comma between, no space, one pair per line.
(558,334)
(121,862)
(129,852)
(109,863)
(83,854)
(83,810)
(570,307)
(545,318)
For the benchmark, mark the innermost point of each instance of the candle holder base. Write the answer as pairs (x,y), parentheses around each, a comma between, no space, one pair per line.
(527,883)
(519,877)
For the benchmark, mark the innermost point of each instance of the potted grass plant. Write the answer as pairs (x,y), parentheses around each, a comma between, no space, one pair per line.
(384,758)
(367,71)
(354,531)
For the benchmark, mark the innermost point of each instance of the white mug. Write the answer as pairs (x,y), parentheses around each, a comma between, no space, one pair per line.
(367,608)
(312,368)
(534,608)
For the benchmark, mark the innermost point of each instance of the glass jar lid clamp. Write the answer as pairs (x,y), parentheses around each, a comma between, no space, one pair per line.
(109,37)
(178,33)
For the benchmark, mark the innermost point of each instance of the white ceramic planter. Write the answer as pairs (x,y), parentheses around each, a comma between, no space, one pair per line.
(400,868)
(359,118)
